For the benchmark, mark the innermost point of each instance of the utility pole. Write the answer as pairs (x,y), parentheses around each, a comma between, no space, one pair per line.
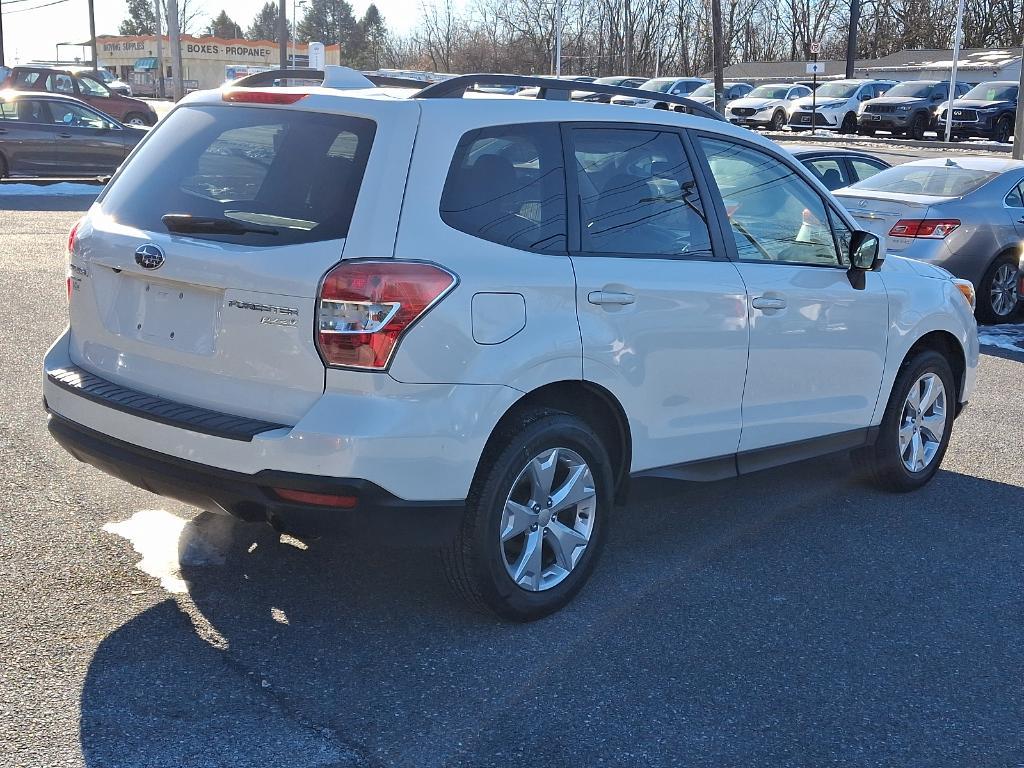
(719,54)
(92,35)
(282,32)
(558,38)
(957,35)
(174,35)
(159,50)
(851,39)
(1,40)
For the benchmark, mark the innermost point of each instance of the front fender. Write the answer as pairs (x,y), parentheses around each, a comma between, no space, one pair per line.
(918,306)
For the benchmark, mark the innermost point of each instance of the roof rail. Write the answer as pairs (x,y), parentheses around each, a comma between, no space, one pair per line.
(271,76)
(559,90)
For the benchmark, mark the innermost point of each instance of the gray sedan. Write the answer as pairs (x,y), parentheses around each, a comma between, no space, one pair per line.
(52,135)
(965,215)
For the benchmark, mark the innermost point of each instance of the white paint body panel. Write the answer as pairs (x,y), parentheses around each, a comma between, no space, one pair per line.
(676,359)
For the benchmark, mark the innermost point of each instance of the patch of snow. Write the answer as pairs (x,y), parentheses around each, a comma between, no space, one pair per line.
(1010,337)
(168,542)
(60,189)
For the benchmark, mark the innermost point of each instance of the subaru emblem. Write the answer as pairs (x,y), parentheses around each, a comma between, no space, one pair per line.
(149,256)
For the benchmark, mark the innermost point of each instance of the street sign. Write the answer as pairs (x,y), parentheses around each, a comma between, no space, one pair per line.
(815,67)
(815,48)
(316,55)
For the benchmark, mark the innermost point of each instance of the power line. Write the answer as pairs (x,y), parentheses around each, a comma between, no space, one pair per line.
(33,8)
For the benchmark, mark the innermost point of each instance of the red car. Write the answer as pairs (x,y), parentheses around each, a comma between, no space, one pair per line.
(84,86)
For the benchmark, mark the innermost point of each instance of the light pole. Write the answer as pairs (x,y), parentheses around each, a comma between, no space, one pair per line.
(558,39)
(296,5)
(957,35)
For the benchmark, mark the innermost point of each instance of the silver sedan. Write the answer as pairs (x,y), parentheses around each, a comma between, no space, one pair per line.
(965,215)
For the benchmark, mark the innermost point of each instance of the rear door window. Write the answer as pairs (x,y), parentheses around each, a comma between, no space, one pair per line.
(637,195)
(293,172)
(506,184)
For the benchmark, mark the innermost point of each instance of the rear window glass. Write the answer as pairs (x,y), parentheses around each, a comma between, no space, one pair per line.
(293,172)
(506,185)
(938,181)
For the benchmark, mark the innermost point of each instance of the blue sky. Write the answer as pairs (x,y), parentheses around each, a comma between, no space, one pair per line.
(33,34)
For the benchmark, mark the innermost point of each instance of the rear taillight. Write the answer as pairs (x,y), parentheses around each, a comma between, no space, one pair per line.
(365,307)
(930,228)
(319,499)
(245,96)
(71,238)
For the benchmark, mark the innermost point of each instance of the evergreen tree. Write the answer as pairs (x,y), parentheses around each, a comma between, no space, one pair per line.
(223,26)
(141,18)
(332,22)
(374,42)
(264,26)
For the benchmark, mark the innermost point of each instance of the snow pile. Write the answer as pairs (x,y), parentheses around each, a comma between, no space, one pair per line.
(1010,337)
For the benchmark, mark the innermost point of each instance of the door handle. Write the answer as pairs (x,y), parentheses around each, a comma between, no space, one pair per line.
(767,302)
(1020,220)
(63,135)
(610,297)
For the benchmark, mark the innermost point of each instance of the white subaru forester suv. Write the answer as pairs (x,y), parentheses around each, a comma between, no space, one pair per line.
(467,322)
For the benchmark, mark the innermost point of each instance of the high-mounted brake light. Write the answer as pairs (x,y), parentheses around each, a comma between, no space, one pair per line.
(365,307)
(935,229)
(247,96)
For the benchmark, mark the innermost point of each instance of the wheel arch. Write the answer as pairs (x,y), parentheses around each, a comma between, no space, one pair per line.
(949,346)
(592,403)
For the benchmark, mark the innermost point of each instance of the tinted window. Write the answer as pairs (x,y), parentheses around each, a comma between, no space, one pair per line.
(775,215)
(637,194)
(864,169)
(297,173)
(828,171)
(911,89)
(993,92)
(26,78)
(27,111)
(1015,199)
(506,184)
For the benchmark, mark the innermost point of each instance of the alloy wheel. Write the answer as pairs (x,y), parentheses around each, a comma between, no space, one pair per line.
(923,422)
(1003,291)
(548,519)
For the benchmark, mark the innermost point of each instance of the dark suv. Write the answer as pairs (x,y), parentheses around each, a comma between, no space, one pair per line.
(85,86)
(907,109)
(986,111)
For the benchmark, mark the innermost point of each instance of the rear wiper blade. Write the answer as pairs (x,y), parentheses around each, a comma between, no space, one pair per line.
(211,225)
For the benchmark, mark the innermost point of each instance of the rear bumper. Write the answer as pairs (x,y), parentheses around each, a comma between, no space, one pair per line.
(377,515)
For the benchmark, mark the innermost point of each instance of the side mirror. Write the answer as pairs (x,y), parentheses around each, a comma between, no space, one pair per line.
(865,256)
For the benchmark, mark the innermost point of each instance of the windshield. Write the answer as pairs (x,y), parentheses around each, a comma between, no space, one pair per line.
(911,90)
(105,75)
(661,86)
(838,90)
(992,92)
(293,172)
(705,90)
(933,180)
(769,92)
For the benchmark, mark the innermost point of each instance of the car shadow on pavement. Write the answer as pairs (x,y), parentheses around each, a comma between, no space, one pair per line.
(789,617)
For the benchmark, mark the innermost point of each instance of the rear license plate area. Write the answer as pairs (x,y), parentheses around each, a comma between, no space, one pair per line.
(165,314)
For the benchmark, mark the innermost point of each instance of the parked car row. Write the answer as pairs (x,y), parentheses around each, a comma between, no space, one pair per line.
(84,84)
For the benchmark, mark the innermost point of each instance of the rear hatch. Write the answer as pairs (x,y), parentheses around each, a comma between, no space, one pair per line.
(217,310)
(878,211)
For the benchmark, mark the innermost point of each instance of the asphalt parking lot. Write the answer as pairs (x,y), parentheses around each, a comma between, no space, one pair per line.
(791,618)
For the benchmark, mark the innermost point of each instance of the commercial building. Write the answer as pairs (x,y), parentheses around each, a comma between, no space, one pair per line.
(206,61)
(975,65)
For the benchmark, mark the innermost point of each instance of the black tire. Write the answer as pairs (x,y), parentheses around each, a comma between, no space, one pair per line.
(475,561)
(849,125)
(778,120)
(917,127)
(883,461)
(136,118)
(989,309)
(1003,131)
